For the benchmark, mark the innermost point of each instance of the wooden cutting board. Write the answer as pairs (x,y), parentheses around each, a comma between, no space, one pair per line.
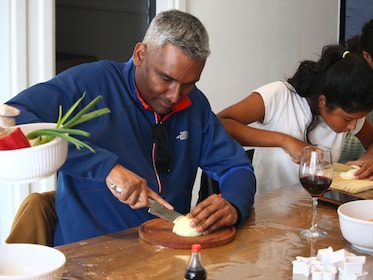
(349,185)
(159,232)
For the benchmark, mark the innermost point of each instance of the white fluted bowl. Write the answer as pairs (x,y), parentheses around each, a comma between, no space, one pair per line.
(33,163)
(356,222)
(30,262)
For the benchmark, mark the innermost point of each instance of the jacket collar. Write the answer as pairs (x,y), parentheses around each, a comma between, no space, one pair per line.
(184,103)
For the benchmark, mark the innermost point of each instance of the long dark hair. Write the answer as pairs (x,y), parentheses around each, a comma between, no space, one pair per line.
(344,78)
(366,37)
(363,41)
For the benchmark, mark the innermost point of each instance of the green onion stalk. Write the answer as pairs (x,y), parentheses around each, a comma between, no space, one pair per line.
(64,125)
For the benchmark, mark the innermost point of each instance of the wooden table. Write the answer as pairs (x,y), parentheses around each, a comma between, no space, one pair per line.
(264,247)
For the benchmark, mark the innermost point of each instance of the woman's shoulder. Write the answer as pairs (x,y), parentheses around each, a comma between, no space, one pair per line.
(280,99)
(277,91)
(275,87)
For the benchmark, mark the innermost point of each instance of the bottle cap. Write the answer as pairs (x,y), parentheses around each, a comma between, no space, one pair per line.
(196,248)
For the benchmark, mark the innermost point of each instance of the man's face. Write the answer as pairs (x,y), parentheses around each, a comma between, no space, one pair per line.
(164,77)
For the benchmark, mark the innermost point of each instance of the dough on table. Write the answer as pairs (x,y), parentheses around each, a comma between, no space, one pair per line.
(349,175)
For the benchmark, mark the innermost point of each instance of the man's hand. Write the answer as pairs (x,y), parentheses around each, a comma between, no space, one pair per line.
(131,189)
(213,213)
(7,114)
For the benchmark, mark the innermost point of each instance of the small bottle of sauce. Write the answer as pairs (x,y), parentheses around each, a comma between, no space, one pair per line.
(195,269)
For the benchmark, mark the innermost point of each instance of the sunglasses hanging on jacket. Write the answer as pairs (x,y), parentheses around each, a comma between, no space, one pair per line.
(162,158)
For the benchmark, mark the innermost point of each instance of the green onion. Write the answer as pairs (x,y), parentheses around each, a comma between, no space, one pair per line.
(63,127)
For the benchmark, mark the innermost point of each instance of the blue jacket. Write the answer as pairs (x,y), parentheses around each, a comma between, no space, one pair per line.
(85,206)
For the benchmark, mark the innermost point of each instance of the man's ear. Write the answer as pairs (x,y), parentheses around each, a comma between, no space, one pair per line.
(139,53)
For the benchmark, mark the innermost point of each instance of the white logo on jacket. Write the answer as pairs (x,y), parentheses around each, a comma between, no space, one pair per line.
(183,135)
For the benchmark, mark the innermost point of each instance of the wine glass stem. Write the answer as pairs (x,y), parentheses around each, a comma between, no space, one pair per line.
(314,213)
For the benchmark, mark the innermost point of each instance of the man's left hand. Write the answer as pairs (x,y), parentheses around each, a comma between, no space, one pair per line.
(213,213)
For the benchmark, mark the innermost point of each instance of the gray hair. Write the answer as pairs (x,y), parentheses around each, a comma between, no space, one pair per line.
(182,30)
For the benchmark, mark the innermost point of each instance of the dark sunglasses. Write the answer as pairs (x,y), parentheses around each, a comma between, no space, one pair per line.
(162,158)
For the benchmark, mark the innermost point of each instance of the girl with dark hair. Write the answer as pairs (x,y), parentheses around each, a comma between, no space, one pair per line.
(323,102)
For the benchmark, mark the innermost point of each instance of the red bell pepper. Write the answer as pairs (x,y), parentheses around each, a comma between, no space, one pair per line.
(14,140)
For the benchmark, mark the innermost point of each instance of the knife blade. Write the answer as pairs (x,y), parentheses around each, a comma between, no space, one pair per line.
(161,211)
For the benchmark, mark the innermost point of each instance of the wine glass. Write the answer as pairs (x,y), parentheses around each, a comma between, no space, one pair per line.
(315,174)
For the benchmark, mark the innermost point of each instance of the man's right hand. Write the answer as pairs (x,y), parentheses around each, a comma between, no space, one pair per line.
(7,114)
(131,189)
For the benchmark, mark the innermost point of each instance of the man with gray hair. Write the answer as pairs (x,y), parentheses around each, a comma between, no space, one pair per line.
(161,129)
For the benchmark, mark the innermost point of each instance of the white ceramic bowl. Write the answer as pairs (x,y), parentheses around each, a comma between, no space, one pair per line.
(356,222)
(34,163)
(31,262)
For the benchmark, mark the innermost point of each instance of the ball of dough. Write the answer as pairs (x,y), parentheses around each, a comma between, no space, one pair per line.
(182,227)
(348,175)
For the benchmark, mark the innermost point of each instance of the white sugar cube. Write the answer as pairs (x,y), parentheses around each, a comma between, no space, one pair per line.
(300,267)
(323,272)
(354,265)
(342,275)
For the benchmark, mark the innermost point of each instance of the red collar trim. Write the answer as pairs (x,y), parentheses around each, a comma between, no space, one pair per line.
(184,103)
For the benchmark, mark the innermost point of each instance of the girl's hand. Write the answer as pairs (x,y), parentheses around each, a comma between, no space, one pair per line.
(366,168)
(294,148)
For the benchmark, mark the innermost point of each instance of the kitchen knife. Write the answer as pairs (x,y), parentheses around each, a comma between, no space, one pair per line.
(161,211)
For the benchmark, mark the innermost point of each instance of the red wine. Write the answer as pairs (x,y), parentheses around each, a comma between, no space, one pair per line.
(315,185)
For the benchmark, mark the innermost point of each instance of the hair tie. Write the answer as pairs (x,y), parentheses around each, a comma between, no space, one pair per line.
(345,53)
